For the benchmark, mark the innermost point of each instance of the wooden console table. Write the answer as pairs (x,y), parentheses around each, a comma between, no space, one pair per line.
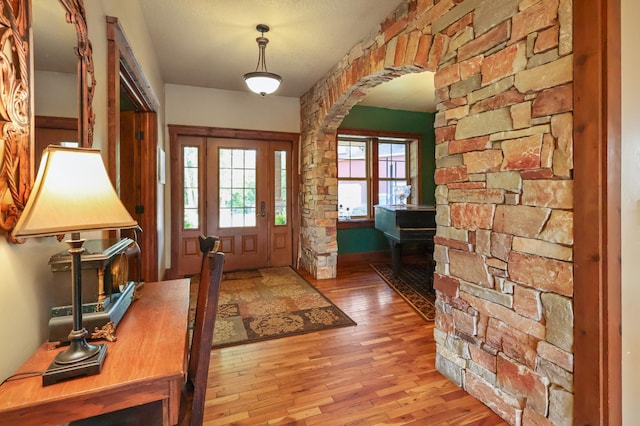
(147,363)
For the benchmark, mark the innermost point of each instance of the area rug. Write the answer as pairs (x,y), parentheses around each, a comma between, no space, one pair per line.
(270,303)
(414,284)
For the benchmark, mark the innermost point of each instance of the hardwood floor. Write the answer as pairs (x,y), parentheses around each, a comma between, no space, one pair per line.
(381,371)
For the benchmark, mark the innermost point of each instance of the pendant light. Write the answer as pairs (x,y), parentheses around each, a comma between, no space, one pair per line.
(261,81)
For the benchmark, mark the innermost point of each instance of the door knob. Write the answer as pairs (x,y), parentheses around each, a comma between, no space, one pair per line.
(263,209)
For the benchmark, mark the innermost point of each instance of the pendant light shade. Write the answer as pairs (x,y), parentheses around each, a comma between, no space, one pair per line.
(261,81)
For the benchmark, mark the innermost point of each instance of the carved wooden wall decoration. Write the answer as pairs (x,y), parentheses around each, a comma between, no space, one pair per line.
(15,101)
(15,143)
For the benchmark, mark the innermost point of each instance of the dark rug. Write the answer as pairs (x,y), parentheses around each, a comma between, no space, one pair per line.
(270,303)
(414,283)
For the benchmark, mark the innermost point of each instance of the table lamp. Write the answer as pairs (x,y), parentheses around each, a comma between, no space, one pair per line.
(72,193)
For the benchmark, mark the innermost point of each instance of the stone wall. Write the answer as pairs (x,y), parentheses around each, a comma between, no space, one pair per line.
(504,161)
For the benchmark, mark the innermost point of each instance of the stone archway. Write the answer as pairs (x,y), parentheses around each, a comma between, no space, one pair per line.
(504,148)
(400,47)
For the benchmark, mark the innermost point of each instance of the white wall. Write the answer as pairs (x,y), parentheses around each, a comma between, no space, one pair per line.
(227,108)
(630,205)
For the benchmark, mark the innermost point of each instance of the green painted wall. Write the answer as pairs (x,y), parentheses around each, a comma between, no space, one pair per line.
(370,118)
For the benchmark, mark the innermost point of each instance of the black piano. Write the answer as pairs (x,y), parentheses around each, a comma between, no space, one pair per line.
(405,224)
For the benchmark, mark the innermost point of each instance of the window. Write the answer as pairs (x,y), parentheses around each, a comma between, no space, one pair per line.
(370,167)
(190,203)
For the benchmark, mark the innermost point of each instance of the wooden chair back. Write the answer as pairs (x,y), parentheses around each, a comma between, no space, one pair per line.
(204,323)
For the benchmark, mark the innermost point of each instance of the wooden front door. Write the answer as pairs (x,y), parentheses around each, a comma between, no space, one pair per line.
(247,207)
(240,190)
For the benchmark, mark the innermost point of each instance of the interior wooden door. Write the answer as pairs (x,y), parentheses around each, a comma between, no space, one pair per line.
(137,183)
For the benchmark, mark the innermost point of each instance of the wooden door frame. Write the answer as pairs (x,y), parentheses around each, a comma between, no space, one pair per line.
(175,131)
(124,71)
(597,229)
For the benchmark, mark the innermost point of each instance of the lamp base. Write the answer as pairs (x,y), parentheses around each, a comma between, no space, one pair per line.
(88,367)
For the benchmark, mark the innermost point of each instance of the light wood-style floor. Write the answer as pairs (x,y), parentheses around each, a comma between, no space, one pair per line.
(381,371)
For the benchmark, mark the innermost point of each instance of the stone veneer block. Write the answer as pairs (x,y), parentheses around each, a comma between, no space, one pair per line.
(523,382)
(504,63)
(451,233)
(471,216)
(522,221)
(560,407)
(485,359)
(541,273)
(487,13)
(526,302)
(558,313)
(505,405)
(565,17)
(465,322)
(555,355)
(466,145)
(542,248)
(495,89)
(521,133)
(469,267)
(562,130)
(553,101)
(489,196)
(522,153)
(555,374)
(545,76)
(487,294)
(559,228)
(471,67)
(449,161)
(482,372)
(506,315)
(449,369)
(445,284)
(485,42)
(540,15)
(509,181)
(450,174)
(484,123)
(513,343)
(531,418)
(441,254)
(501,245)
(548,193)
(547,39)
(483,242)
(442,194)
(521,115)
(482,161)
(443,215)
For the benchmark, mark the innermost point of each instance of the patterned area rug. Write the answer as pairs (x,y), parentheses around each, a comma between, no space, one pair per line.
(270,303)
(414,284)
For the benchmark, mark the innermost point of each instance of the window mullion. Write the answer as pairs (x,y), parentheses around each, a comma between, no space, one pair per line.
(373,166)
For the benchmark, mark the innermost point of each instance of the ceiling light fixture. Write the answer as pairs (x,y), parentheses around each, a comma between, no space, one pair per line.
(261,81)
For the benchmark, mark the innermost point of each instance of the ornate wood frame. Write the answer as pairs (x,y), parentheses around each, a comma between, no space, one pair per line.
(16,97)
(15,116)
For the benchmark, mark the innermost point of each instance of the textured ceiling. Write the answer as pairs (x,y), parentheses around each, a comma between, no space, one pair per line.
(211,43)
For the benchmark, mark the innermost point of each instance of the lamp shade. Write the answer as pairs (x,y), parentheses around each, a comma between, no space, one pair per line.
(262,82)
(72,193)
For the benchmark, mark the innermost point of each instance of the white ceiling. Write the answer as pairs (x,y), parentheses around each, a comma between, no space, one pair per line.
(211,43)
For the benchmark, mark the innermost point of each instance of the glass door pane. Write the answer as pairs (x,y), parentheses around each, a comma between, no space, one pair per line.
(237,188)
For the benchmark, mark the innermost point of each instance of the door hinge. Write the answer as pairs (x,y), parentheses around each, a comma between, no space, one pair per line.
(139,135)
